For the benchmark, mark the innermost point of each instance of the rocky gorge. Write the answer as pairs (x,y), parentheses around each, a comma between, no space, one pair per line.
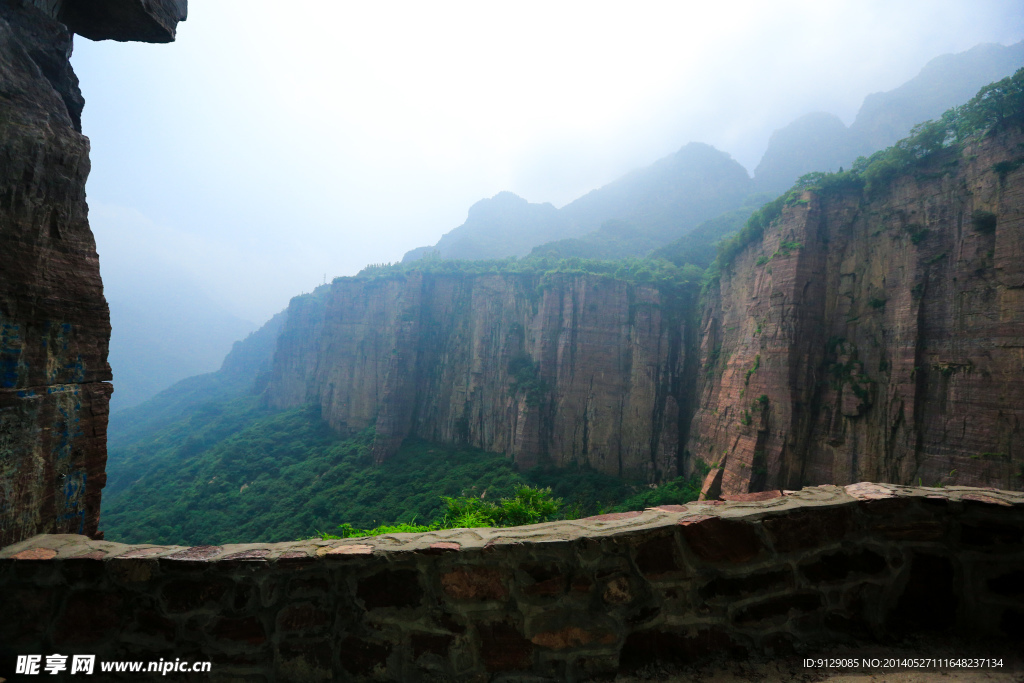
(871,333)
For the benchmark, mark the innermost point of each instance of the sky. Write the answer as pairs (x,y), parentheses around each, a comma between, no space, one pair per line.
(275,146)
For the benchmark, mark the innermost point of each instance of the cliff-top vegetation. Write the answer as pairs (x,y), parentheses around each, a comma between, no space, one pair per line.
(658,272)
(996,105)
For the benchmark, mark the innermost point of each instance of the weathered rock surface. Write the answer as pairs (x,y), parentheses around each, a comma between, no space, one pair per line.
(148,21)
(581,369)
(875,337)
(54,324)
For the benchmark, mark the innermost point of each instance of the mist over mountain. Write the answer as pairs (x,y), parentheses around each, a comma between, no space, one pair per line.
(592,368)
(821,142)
(633,371)
(504,225)
(655,205)
(165,331)
(632,215)
(672,194)
(944,82)
(815,142)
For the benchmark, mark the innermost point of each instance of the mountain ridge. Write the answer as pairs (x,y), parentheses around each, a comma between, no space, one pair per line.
(883,118)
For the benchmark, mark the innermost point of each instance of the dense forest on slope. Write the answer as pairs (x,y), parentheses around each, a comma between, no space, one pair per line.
(236,472)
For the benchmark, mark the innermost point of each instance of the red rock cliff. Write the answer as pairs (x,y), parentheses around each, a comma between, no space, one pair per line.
(875,337)
(583,369)
(54,323)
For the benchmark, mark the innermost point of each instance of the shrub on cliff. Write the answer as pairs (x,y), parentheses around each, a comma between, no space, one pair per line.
(528,506)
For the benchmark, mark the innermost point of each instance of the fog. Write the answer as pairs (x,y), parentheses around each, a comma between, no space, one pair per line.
(276,145)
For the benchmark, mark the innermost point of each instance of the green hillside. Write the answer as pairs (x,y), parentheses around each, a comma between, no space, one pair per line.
(236,473)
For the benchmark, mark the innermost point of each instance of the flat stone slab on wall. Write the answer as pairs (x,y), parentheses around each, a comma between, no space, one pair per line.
(779,575)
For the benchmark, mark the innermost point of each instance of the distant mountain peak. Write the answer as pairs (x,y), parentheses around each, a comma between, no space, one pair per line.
(945,81)
(500,204)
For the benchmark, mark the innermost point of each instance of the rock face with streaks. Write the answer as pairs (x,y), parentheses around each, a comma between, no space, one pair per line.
(54,324)
(574,369)
(875,337)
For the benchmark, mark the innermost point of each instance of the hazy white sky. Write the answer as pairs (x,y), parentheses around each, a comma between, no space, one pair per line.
(275,144)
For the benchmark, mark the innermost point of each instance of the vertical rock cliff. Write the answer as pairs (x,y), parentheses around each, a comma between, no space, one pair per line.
(875,336)
(567,369)
(54,323)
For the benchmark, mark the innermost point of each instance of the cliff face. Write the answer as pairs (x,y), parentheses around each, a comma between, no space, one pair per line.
(579,369)
(874,338)
(54,324)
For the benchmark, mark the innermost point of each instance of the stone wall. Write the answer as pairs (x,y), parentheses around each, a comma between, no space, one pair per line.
(774,573)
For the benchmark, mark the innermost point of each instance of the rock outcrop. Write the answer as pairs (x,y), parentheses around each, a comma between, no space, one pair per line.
(572,369)
(54,324)
(875,336)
